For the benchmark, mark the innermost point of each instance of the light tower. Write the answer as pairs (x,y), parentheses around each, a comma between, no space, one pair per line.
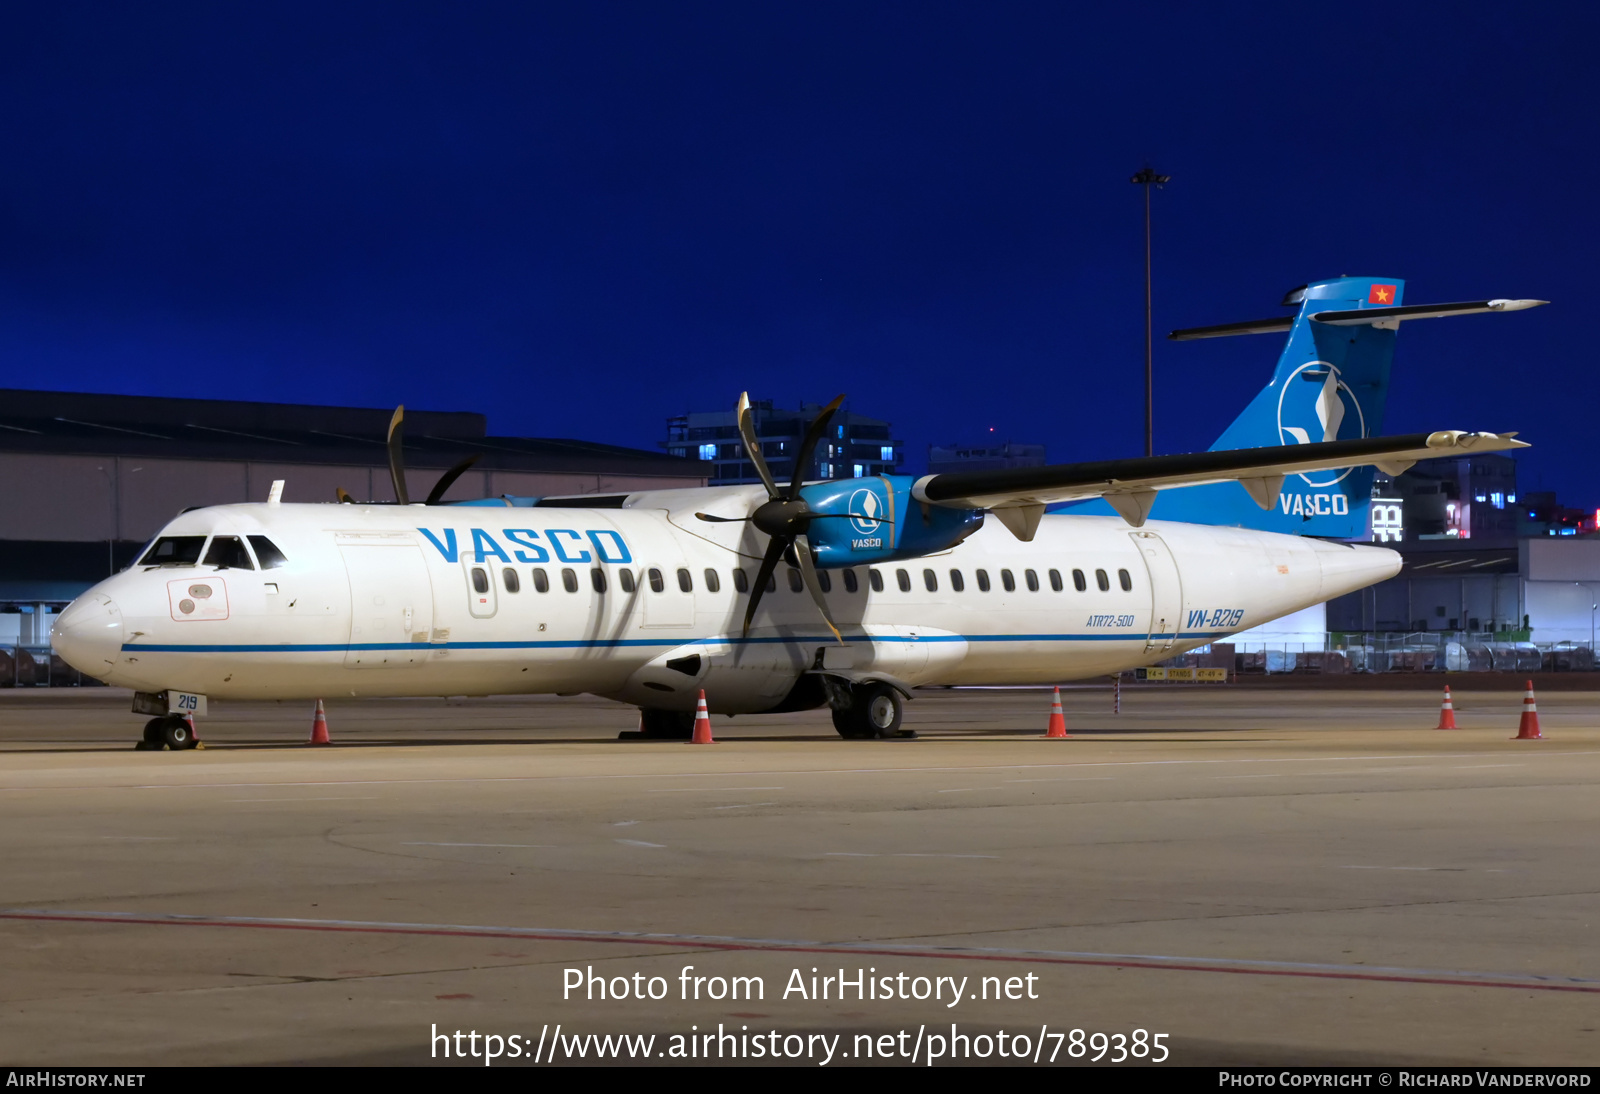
(1147,178)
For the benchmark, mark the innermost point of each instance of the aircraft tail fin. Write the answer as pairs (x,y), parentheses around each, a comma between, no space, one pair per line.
(1331,383)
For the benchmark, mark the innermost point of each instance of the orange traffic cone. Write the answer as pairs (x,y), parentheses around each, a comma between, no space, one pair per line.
(319,726)
(1447,712)
(1058,721)
(702,724)
(1528,730)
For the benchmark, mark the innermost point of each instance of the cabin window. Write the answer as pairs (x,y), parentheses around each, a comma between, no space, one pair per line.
(1126,579)
(541,581)
(795,584)
(824,581)
(1032,579)
(740,582)
(1008,580)
(956,581)
(850,582)
(713,582)
(903,579)
(480,580)
(930,581)
(597,579)
(1055,580)
(174,551)
(983,580)
(512,580)
(875,579)
(1078,581)
(1102,580)
(267,552)
(685,581)
(569,579)
(772,583)
(657,582)
(228,553)
(625,579)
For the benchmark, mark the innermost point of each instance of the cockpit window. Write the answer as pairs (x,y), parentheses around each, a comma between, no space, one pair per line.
(228,553)
(267,552)
(174,551)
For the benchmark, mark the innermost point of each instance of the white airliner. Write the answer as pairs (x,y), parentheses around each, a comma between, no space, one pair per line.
(847,593)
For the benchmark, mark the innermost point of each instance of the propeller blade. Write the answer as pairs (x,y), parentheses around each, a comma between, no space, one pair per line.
(397,466)
(775,548)
(720,520)
(802,460)
(752,447)
(344,496)
(448,479)
(808,576)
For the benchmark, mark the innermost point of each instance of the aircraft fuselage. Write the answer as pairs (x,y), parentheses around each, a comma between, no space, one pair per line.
(643,604)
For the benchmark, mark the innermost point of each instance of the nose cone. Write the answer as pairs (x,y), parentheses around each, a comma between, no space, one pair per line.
(1346,568)
(88,635)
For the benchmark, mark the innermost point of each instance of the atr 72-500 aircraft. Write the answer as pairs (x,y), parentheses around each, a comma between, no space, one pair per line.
(779,597)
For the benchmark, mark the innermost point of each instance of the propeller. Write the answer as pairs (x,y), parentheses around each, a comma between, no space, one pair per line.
(784,516)
(397,466)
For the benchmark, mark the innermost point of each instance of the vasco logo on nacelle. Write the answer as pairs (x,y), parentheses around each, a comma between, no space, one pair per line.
(1309,412)
(866,503)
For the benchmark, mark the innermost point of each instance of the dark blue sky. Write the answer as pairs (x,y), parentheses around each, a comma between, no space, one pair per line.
(582,218)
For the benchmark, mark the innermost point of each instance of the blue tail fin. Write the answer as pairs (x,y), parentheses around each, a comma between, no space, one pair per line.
(1331,383)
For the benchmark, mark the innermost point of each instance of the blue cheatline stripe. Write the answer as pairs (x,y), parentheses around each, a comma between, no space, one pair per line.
(615,643)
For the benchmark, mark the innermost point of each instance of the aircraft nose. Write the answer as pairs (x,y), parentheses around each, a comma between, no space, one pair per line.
(88,635)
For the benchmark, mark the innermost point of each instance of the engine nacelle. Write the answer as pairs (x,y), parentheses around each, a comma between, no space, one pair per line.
(886,525)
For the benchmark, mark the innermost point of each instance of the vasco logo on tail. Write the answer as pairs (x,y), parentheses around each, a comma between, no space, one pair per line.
(1310,411)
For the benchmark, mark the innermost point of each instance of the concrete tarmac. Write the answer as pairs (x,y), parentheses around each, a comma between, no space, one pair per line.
(1264,876)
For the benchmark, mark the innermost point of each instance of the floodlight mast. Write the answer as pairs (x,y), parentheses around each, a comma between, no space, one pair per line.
(1147,178)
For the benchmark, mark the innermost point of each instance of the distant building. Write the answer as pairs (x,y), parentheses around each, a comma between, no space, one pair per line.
(988,456)
(1455,498)
(1539,514)
(856,446)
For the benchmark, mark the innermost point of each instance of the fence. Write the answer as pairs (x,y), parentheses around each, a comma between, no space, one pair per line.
(38,667)
(1417,651)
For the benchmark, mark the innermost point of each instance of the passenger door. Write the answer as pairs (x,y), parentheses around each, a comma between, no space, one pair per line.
(1166,590)
(391,605)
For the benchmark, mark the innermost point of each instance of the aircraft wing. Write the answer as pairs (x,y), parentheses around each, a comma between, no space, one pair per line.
(1017,496)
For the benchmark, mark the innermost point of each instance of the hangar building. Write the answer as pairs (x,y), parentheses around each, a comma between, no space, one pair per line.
(86,480)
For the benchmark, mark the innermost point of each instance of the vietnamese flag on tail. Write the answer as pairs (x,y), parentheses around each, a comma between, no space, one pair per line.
(1381,294)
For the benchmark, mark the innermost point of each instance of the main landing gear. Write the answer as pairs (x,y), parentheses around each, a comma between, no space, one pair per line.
(870,710)
(172,731)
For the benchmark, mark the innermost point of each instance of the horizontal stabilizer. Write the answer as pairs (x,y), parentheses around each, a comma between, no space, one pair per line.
(1276,325)
(1361,316)
(1354,317)
(1129,485)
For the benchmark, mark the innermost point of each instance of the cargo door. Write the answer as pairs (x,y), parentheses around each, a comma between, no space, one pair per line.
(391,605)
(1166,590)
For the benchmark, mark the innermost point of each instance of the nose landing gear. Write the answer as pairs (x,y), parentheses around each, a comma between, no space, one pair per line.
(173,731)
